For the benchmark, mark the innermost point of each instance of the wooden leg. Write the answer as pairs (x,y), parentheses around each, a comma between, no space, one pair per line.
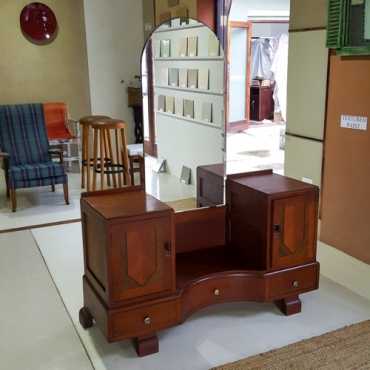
(102,160)
(95,156)
(111,156)
(84,154)
(125,161)
(53,188)
(118,157)
(65,190)
(146,345)
(85,317)
(289,306)
(106,155)
(13,199)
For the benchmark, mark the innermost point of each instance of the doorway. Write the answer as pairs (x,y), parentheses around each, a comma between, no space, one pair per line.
(239,75)
(257,56)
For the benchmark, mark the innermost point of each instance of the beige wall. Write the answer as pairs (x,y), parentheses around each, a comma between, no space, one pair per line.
(115,42)
(308,14)
(55,72)
(148,17)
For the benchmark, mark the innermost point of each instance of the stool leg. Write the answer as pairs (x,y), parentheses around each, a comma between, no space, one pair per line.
(87,159)
(95,156)
(111,158)
(102,161)
(125,159)
(132,169)
(106,155)
(118,157)
(83,160)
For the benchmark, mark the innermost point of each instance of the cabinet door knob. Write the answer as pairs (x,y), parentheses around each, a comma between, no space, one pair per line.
(216,292)
(277,228)
(167,248)
(147,320)
(295,284)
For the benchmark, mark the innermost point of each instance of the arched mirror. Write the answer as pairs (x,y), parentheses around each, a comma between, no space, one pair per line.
(184,114)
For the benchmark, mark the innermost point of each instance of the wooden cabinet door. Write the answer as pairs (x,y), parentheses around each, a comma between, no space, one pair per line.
(294,227)
(141,258)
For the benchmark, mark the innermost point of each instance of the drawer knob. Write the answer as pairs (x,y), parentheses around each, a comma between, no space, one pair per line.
(147,320)
(216,292)
(295,284)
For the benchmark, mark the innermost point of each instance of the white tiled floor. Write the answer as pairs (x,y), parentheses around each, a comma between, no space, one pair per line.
(35,330)
(211,337)
(38,206)
(255,149)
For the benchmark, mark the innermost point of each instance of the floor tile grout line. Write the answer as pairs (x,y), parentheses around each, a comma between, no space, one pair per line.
(39,226)
(63,303)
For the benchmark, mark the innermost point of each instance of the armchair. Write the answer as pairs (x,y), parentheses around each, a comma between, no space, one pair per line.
(25,151)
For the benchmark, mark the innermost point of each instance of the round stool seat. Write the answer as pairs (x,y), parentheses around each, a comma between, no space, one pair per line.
(109,123)
(88,120)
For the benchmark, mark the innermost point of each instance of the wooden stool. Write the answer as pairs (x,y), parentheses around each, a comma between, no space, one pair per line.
(86,123)
(115,167)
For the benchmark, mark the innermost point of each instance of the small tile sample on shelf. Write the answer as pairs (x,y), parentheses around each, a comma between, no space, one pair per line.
(163,77)
(189,108)
(165,48)
(193,46)
(207,113)
(183,77)
(161,103)
(193,78)
(203,79)
(183,47)
(170,104)
(173,77)
(213,46)
(179,106)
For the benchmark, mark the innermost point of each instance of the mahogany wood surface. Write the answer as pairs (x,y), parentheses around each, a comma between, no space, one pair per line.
(272,220)
(289,306)
(146,345)
(148,268)
(199,228)
(210,185)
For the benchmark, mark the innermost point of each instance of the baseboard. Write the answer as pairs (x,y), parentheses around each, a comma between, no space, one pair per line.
(344,269)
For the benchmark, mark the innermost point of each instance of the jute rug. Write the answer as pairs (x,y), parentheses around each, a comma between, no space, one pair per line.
(343,349)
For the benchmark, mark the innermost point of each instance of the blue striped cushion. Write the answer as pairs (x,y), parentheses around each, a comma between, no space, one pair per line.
(23,133)
(40,174)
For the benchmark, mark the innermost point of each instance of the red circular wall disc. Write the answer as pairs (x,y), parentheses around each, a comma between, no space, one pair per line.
(38,23)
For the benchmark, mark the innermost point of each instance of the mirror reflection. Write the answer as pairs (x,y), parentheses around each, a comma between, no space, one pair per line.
(183,114)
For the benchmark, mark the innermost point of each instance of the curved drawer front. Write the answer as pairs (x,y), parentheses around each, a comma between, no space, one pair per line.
(219,289)
(144,320)
(293,281)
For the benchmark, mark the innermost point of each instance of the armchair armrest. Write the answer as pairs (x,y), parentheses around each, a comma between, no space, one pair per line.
(57,153)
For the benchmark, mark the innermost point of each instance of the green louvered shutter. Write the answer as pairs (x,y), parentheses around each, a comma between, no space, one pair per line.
(336,16)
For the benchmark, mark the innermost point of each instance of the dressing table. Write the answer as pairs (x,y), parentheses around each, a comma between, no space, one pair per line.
(148,268)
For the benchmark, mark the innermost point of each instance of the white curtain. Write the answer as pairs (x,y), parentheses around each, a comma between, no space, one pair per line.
(263,50)
(279,68)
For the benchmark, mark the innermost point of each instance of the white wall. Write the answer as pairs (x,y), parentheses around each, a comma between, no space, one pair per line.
(114,32)
(242,9)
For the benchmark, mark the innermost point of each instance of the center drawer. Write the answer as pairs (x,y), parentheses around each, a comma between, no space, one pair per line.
(211,290)
(143,320)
